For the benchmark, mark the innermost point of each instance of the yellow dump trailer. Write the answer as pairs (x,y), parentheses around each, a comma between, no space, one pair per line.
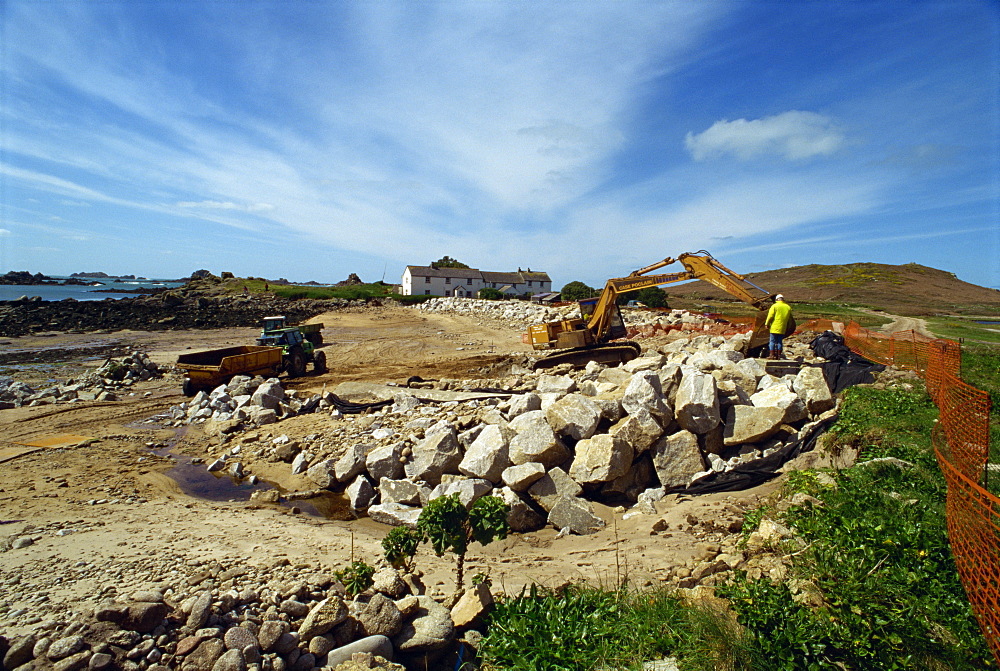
(209,369)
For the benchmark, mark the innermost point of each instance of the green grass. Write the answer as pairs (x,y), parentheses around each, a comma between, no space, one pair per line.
(581,627)
(956,328)
(875,552)
(299,291)
(981,369)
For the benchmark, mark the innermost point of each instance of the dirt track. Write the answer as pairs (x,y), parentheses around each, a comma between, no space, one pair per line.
(145,514)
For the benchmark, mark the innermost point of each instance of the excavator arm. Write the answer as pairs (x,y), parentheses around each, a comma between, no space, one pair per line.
(601,322)
(697,266)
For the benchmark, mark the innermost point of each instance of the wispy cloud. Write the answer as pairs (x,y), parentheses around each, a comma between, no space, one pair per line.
(794,135)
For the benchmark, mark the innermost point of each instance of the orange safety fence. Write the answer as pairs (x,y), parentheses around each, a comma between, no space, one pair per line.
(962,445)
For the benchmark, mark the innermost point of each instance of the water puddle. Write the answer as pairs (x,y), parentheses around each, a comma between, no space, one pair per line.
(194,479)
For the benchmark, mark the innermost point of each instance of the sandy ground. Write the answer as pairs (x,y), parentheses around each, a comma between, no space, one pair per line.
(113,501)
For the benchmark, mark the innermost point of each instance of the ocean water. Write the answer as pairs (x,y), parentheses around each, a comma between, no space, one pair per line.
(51,292)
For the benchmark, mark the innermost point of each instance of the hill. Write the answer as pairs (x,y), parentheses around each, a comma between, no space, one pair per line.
(910,289)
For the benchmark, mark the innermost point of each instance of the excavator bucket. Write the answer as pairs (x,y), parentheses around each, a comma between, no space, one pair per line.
(758,342)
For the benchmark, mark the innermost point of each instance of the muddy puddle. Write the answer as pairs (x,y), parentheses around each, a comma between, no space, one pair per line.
(195,480)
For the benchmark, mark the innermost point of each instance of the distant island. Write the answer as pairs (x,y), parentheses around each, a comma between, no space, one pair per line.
(104,276)
(23,277)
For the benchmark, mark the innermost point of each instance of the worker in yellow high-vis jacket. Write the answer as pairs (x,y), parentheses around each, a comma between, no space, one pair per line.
(779,318)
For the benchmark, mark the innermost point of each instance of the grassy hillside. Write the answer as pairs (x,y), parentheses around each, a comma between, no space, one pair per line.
(910,290)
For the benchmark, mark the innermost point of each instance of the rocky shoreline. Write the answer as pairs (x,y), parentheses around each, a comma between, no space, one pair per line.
(166,311)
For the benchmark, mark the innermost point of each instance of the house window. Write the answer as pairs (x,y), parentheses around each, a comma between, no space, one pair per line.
(469,281)
(447,280)
(427,292)
(447,292)
(493,284)
(427,280)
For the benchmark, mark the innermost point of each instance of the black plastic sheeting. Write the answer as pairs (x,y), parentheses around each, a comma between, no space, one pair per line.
(357,408)
(843,368)
(758,471)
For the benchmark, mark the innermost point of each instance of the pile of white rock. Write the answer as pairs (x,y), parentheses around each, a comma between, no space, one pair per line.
(519,315)
(103,384)
(618,435)
(516,314)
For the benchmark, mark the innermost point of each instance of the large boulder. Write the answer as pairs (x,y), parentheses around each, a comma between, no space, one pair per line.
(435,455)
(601,459)
(778,396)
(553,485)
(351,463)
(430,629)
(811,387)
(522,516)
(555,384)
(751,424)
(487,456)
(384,462)
(405,492)
(468,489)
(323,473)
(520,477)
(575,514)
(644,392)
(535,440)
(697,404)
(677,458)
(640,430)
(574,415)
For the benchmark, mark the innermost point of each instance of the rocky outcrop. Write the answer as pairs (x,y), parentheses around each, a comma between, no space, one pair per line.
(183,308)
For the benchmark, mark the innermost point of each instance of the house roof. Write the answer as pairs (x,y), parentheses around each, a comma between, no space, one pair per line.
(428,271)
(505,278)
(519,277)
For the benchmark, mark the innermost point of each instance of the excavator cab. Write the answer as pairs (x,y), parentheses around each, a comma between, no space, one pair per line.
(616,329)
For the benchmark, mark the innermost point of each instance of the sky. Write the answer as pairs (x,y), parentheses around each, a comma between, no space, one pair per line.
(308,139)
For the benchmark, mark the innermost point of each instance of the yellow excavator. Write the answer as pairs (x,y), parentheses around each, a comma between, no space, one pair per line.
(590,337)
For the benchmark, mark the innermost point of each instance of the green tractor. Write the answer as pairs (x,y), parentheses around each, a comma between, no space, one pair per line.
(311,332)
(296,350)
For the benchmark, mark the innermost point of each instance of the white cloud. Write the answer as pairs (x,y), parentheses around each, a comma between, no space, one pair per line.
(794,135)
(216,205)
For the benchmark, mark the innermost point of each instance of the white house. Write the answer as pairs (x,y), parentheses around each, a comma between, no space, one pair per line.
(431,281)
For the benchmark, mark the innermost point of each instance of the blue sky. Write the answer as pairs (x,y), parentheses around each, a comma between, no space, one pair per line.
(313,139)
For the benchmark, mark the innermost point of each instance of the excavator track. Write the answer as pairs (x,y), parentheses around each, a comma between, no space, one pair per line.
(611,353)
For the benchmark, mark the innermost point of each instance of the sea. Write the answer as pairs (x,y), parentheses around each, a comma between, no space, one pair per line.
(107,289)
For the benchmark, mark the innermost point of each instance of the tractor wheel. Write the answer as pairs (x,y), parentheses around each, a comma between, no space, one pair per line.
(296,365)
(319,363)
(188,388)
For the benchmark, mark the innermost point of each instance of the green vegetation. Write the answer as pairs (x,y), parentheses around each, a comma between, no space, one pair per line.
(356,578)
(871,582)
(576,290)
(853,275)
(491,294)
(962,329)
(584,628)
(298,291)
(448,526)
(400,544)
(981,369)
(448,262)
(651,297)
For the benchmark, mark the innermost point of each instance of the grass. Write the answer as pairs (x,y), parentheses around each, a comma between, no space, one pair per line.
(961,329)
(875,552)
(981,369)
(581,627)
(802,311)
(299,291)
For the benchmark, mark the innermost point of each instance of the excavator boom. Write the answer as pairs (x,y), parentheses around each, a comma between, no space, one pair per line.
(601,320)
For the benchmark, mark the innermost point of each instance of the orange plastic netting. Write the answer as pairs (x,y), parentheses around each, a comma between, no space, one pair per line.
(961,443)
